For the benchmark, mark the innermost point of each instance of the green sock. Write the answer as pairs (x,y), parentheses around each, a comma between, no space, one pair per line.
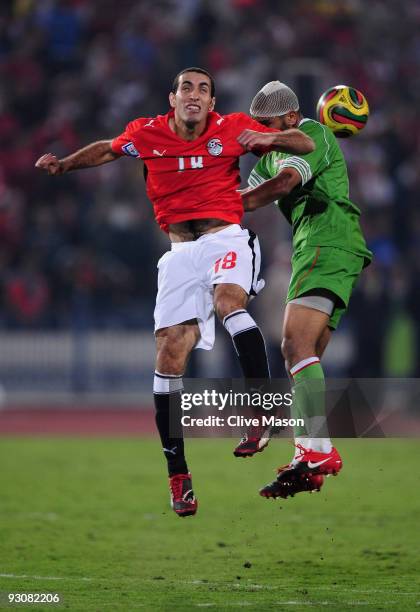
(309,398)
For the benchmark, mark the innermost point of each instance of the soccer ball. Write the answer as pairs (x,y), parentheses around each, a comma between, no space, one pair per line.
(344,110)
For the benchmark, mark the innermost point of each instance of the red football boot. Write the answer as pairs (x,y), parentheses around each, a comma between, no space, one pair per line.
(183,500)
(288,483)
(308,461)
(305,472)
(249,445)
(253,441)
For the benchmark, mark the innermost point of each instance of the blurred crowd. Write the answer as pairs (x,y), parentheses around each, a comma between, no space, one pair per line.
(81,250)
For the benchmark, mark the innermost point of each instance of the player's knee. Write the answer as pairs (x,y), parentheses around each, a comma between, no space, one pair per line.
(295,349)
(172,351)
(287,348)
(224,306)
(227,299)
(167,362)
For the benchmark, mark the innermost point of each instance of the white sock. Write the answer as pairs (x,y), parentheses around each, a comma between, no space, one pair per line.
(167,383)
(238,321)
(302,441)
(320,445)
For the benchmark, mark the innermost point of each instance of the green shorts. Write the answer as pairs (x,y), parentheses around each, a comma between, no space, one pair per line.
(326,268)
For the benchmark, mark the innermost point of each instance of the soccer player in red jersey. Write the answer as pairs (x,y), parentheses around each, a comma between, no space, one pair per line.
(191,157)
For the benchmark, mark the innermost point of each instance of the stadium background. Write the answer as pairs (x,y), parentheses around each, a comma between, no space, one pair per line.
(78,253)
(89,517)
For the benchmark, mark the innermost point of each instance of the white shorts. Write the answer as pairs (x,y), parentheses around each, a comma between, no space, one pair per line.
(189,271)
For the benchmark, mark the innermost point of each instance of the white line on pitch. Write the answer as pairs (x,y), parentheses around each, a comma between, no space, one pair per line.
(44,577)
(366,591)
(303,603)
(42,516)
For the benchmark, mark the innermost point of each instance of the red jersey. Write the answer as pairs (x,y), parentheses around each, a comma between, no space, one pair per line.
(190,179)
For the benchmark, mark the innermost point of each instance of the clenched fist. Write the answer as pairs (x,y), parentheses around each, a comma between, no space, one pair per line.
(250,139)
(50,164)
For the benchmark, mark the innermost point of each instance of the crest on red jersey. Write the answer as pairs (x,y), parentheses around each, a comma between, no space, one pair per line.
(130,149)
(214,146)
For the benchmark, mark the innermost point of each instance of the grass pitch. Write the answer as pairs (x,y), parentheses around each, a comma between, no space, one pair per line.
(89,519)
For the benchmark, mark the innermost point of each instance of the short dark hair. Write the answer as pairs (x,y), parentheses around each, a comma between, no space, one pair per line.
(194,69)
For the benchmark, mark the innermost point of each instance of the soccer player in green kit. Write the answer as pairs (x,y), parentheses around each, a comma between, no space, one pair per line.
(329,253)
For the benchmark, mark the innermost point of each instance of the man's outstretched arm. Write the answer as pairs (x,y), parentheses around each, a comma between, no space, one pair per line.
(93,154)
(288,141)
(271,190)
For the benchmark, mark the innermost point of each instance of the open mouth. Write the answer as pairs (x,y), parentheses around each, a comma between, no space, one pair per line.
(193,108)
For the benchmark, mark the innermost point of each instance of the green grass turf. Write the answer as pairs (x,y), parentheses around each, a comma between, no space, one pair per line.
(90,519)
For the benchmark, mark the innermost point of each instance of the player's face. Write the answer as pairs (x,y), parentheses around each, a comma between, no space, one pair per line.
(271,122)
(192,100)
(282,122)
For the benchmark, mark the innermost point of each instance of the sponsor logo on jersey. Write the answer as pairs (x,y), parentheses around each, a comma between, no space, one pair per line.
(130,149)
(214,146)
